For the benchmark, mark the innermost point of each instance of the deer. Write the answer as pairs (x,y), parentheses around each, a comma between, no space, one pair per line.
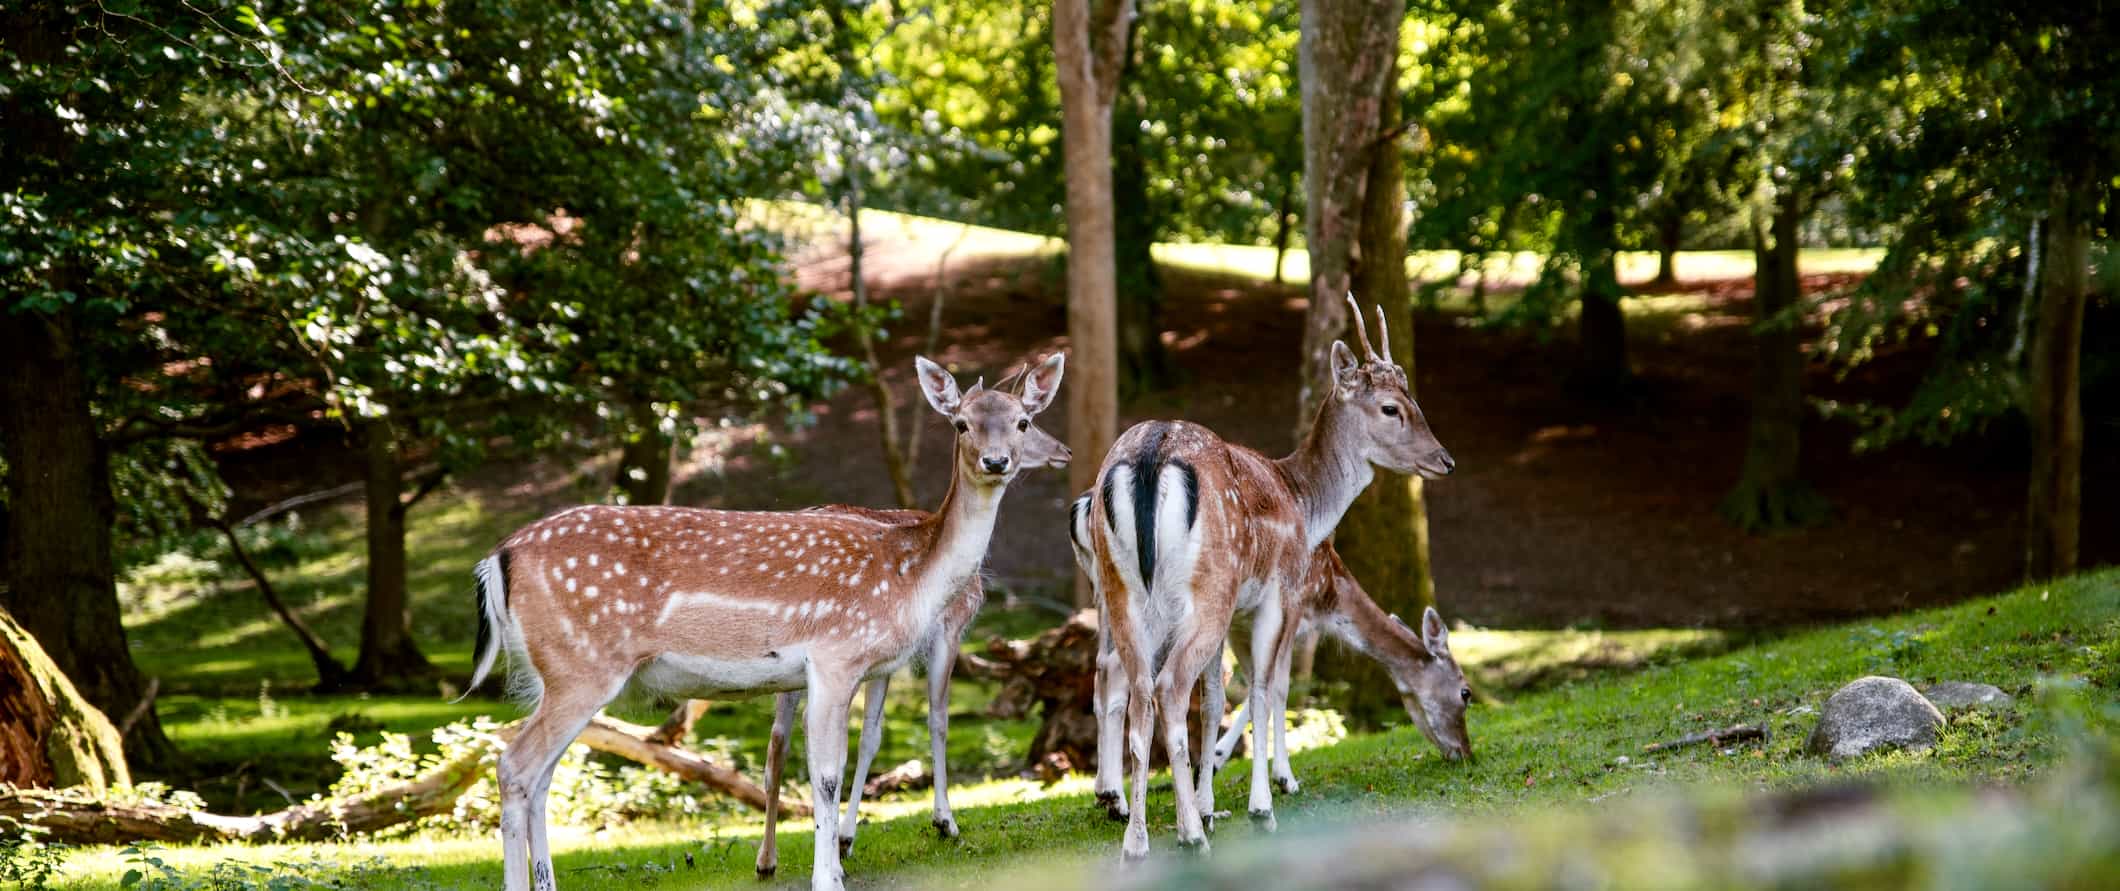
(1430,684)
(691,603)
(1186,530)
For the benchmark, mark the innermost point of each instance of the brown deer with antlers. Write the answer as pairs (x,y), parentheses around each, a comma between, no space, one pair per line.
(689,603)
(1185,530)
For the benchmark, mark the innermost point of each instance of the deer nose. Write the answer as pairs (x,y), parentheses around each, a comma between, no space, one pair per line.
(995,465)
(1442,457)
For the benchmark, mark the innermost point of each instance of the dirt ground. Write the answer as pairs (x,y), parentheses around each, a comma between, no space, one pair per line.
(1562,511)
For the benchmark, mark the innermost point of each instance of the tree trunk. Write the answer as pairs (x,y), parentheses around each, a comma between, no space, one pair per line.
(1668,231)
(1348,51)
(1602,368)
(1144,365)
(1088,48)
(49,735)
(1284,224)
(1771,493)
(62,583)
(389,658)
(2054,508)
(1384,536)
(644,462)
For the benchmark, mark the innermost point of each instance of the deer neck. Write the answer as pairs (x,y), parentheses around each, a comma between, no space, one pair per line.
(952,546)
(1358,622)
(1326,472)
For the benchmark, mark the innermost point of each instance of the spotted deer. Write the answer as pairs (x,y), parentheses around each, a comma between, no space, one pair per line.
(1186,529)
(707,604)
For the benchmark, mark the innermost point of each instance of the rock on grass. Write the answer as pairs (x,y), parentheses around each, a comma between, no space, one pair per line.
(1874,713)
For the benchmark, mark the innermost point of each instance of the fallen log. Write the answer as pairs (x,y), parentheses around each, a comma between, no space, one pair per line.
(76,818)
(79,817)
(630,741)
(1740,733)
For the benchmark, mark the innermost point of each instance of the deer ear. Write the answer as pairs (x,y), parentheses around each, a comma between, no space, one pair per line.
(1042,382)
(1433,632)
(1344,366)
(938,386)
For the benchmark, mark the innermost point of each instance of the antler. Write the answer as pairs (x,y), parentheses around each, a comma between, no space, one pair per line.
(1361,330)
(1384,334)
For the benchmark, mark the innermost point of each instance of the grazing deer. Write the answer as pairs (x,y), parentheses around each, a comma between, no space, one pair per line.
(1185,530)
(1429,682)
(706,604)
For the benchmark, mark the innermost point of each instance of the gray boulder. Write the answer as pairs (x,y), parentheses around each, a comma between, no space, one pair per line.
(1961,694)
(1874,713)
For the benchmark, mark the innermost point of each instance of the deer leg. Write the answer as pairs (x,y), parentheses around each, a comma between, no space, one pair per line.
(776,761)
(1174,688)
(1284,777)
(1226,745)
(831,694)
(525,774)
(1212,705)
(1266,634)
(942,659)
(871,738)
(1140,729)
(1109,697)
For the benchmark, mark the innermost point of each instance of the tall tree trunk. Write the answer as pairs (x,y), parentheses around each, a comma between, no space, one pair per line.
(1348,49)
(1145,365)
(62,580)
(1384,536)
(388,658)
(1669,229)
(1602,329)
(1284,224)
(1089,45)
(1770,492)
(2054,508)
(644,461)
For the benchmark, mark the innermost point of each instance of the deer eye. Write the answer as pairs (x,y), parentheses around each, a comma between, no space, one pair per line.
(1023,424)
(1391,410)
(1465,693)
(963,427)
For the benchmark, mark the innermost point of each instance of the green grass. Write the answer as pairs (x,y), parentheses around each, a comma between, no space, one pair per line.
(1576,740)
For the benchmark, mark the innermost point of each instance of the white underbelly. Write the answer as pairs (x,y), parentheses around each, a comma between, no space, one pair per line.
(701,677)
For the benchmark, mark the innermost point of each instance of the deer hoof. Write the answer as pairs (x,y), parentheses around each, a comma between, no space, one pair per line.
(846,846)
(1263,819)
(946,827)
(766,870)
(1287,785)
(1195,846)
(1114,806)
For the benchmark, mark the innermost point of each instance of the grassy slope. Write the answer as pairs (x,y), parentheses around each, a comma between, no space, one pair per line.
(1555,747)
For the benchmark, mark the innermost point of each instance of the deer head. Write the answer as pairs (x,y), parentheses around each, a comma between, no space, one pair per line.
(1373,401)
(996,438)
(1433,689)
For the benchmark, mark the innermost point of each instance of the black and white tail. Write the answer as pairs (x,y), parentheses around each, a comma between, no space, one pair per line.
(1151,505)
(492,576)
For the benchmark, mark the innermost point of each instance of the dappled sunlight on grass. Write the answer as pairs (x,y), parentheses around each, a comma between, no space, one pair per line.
(1508,660)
